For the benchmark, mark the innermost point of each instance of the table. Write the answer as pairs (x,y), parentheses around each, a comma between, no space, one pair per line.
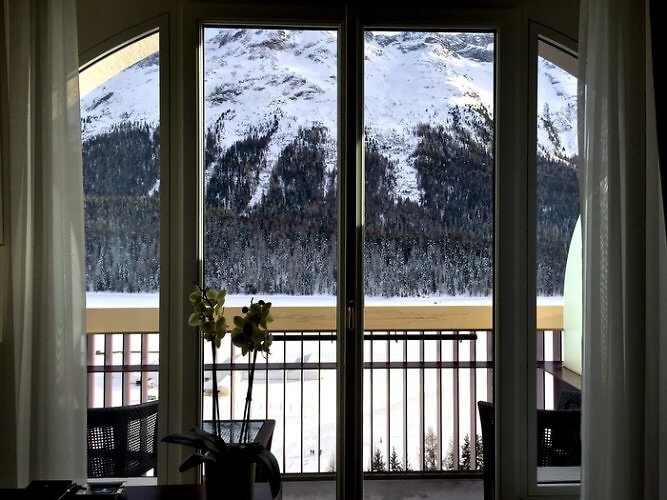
(186,492)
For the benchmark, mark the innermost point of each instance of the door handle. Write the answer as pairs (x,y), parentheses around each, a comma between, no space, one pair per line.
(349,315)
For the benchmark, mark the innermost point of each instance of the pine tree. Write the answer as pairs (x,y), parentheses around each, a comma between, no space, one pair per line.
(395,464)
(466,462)
(430,451)
(378,462)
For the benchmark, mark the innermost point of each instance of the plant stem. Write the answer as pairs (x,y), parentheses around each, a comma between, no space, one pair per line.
(248,400)
(215,410)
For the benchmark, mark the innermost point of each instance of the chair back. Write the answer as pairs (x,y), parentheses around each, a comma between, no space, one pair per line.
(486,419)
(122,441)
(558,438)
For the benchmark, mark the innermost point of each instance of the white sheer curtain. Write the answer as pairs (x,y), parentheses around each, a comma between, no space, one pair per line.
(42,349)
(625,263)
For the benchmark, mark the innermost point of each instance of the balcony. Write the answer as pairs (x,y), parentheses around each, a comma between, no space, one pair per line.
(425,368)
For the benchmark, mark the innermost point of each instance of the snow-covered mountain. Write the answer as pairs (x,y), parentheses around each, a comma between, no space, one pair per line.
(261,79)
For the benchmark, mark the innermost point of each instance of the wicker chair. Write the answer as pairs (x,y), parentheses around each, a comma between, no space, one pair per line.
(569,400)
(558,441)
(122,441)
(486,419)
(558,438)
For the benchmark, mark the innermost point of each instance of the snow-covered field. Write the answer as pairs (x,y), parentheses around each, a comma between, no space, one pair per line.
(103,300)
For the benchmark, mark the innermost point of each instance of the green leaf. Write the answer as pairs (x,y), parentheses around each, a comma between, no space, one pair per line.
(194,461)
(216,443)
(193,320)
(271,468)
(195,297)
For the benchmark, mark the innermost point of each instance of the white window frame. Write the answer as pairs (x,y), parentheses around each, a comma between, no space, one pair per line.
(538,32)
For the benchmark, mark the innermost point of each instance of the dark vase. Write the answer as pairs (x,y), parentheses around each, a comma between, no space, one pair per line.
(231,479)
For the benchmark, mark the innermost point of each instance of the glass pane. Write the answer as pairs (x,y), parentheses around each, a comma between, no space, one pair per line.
(120,133)
(558,277)
(270,224)
(428,248)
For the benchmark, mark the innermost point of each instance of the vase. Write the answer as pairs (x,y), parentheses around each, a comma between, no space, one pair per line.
(231,479)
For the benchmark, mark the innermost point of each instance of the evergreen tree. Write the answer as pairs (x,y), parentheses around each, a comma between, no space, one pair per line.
(466,459)
(431,451)
(395,464)
(378,462)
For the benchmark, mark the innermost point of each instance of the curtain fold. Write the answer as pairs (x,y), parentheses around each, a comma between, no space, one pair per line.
(43,415)
(623,406)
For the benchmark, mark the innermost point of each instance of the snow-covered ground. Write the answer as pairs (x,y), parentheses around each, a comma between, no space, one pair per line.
(100,300)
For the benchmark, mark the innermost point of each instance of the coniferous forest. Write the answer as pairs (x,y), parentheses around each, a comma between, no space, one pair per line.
(284,242)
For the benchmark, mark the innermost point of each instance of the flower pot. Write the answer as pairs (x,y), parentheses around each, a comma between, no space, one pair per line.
(231,479)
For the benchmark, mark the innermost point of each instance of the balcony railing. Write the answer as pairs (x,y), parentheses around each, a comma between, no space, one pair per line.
(421,383)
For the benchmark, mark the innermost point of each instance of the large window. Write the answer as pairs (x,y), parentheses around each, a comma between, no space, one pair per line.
(270,184)
(367,167)
(428,248)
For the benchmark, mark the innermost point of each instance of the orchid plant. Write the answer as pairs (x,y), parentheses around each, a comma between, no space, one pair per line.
(250,334)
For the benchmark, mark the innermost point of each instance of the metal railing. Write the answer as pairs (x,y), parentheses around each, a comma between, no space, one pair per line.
(421,388)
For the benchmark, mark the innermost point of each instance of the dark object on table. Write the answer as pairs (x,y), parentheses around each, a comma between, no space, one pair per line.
(108,490)
(230,466)
(558,438)
(486,419)
(260,431)
(122,441)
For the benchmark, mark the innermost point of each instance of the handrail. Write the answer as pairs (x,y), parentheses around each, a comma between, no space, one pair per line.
(315,319)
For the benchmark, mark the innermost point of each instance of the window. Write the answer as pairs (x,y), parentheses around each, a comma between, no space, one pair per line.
(558,270)
(330,67)
(270,184)
(428,247)
(120,129)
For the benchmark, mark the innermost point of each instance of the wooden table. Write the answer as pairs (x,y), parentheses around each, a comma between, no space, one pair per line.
(186,492)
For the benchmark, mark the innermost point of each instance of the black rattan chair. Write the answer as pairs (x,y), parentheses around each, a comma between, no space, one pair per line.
(486,419)
(558,441)
(569,400)
(558,438)
(122,441)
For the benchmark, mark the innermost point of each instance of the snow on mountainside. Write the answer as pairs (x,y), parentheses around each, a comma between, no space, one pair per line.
(255,79)
(557,111)
(130,96)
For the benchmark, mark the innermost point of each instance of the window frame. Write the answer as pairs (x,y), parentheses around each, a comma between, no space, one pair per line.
(87,58)
(538,32)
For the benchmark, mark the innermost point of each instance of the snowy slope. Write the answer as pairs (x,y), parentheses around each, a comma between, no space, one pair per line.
(557,102)
(133,95)
(255,78)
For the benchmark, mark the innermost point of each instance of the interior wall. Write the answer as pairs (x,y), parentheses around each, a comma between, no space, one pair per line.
(561,15)
(98,21)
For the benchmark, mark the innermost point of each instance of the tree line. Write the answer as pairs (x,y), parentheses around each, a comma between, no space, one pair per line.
(284,242)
